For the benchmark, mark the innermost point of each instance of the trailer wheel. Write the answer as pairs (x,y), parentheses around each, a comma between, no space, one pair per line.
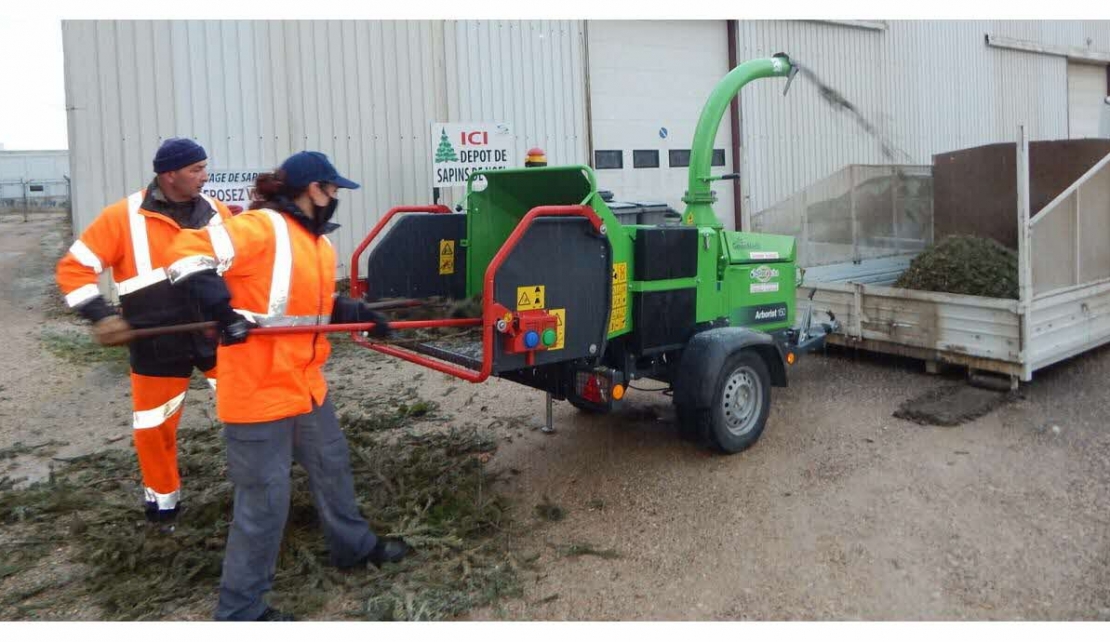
(740,406)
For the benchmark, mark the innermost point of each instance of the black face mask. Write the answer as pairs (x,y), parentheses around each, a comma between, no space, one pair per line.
(324,214)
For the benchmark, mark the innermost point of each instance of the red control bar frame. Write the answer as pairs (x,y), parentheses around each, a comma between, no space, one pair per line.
(357,289)
(491,311)
(365,327)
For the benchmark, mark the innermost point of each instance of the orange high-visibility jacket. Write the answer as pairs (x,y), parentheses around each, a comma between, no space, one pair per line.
(133,242)
(278,273)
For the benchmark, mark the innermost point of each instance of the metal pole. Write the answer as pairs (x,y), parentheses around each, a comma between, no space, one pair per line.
(852,206)
(734,125)
(26,201)
(803,252)
(69,201)
(1025,238)
(894,208)
(157,331)
(548,426)
(1078,235)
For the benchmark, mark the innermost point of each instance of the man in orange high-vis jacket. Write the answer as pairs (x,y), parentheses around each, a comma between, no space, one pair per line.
(131,237)
(273,266)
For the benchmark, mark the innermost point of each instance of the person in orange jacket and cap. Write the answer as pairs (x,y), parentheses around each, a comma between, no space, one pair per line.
(273,265)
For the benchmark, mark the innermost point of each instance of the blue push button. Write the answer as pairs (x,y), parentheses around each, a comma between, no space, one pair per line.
(531,339)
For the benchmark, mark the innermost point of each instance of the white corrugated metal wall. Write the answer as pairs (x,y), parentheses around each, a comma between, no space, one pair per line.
(930,86)
(364,92)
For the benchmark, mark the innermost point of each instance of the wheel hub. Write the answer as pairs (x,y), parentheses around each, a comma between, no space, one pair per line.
(742,401)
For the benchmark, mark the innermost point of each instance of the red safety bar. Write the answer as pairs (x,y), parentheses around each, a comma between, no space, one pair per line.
(362,327)
(356,286)
(491,311)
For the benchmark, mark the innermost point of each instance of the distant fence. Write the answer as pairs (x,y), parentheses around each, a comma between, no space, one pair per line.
(31,196)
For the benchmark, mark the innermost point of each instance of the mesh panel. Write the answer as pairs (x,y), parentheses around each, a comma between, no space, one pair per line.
(861,212)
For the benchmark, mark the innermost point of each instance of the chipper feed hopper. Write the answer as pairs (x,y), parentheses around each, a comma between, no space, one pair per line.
(578,305)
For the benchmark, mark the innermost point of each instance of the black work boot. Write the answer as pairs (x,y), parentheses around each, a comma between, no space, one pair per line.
(387,550)
(164,519)
(273,615)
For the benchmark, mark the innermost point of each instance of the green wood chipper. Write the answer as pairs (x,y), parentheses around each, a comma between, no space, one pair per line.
(577,304)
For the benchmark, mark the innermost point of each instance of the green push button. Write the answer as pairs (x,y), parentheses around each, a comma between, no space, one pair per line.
(549,337)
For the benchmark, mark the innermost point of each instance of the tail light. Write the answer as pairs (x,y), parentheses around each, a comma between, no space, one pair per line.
(595,387)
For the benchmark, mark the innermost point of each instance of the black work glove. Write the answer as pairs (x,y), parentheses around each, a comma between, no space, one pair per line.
(233,328)
(348,310)
(381,328)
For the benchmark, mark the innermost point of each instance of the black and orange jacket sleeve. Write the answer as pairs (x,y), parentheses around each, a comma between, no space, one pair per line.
(101,247)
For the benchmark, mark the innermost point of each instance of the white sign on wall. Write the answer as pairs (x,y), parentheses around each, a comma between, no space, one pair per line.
(232,187)
(460,149)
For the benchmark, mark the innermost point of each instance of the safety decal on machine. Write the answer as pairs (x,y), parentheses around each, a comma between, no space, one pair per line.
(530,297)
(620,295)
(560,329)
(446,257)
(618,318)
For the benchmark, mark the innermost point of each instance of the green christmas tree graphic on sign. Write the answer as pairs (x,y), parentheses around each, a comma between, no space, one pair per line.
(446,151)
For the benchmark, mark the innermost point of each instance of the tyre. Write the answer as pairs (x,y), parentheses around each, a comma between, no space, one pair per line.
(741,403)
(689,427)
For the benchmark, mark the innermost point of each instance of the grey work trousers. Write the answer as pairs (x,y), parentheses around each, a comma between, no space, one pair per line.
(259,460)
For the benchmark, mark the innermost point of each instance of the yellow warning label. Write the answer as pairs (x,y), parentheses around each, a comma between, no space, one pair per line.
(446,257)
(616,323)
(530,297)
(620,296)
(690,218)
(620,272)
(618,316)
(560,334)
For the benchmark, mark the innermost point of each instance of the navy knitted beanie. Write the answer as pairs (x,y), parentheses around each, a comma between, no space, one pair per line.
(176,153)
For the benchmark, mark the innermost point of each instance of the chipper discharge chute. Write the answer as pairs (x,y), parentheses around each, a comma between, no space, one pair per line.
(574,303)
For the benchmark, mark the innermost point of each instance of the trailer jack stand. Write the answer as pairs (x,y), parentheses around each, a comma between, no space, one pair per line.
(548,427)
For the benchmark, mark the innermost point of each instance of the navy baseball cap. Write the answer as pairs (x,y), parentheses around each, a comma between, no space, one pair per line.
(304,168)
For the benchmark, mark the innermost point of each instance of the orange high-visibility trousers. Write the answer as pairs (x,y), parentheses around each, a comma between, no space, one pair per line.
(157,403)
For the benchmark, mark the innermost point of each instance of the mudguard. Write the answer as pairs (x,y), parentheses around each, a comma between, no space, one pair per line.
(705,355)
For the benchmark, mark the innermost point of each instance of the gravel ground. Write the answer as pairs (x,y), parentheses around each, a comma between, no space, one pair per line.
(840,512)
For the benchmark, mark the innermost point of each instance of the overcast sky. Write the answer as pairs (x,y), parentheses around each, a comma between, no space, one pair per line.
(33,103)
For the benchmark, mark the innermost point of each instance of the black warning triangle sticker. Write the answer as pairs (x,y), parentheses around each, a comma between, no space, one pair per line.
(524,300)
(446,250)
